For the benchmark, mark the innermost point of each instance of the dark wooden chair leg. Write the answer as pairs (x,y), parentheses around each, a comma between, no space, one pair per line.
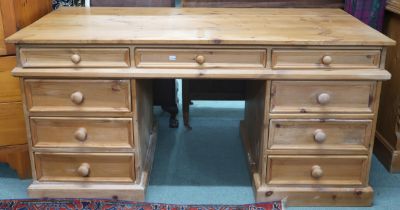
(185,103)
(173,111)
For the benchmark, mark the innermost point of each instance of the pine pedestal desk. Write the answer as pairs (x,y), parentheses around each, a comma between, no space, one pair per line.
(313,85)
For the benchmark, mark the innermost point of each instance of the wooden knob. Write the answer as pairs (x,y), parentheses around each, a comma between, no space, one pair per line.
(317,172)
(327,60)
(323,98)
(77,97)
(80,134)
(75,58)
(84,170)
(200,59)
(319,136)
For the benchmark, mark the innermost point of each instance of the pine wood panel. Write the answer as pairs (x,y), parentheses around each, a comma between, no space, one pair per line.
(98,95)
(300,135)
(296,170)
(103,167)
(63,57)
(302,96)
(16,14)
(9,85)
(12,124)
(62,132)
(263,3)
(393,5)
(17,157)
(187,58)
(314,59)
(200,26)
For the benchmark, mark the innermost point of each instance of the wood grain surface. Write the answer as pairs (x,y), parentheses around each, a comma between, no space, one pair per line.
(200,26)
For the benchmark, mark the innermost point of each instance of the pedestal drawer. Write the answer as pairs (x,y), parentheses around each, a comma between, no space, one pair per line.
(206,58)
(316,170)
(99,167)
(322,96)
(320,135)
(64,132)
(75,57)
(325,59)
(78,95)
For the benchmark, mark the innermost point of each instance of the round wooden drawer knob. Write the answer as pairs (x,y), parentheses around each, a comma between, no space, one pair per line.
(319,136)
(75,58)
(200,59)
(77,97)
(317,172)
(84,170)
(327,60)
(80,134)
(323,98)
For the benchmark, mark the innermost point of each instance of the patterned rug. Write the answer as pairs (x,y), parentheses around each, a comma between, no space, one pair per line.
(96,204)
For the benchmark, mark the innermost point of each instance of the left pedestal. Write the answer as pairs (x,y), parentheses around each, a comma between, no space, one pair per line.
(89,138)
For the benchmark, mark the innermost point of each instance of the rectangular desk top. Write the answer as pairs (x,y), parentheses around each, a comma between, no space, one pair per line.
(201,26)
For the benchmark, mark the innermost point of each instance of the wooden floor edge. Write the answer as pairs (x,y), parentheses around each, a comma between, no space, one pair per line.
(387,154)
(125,191)
(317,196)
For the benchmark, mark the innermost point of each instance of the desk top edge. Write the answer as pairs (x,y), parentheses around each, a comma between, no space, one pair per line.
(203,26)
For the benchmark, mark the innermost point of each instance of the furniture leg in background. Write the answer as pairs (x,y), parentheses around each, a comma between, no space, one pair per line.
(387,146)
(164,95)
(14,15)
(13,147)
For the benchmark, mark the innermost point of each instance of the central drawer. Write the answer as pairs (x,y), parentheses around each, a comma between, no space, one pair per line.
(199,58)
(82,132)
(320,135)
(78,95)
(99,167)
(316,170)
(322,96)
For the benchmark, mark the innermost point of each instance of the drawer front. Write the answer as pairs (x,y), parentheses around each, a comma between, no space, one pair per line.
(322,96)
(315,134)
(316,170)
(78,95)
(98,167)
(207,58)
(325,59)
(82,132)
(75,57)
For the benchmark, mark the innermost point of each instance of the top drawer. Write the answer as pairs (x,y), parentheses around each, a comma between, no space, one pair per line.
(200,58)
(74,57)
(325,59)
(73,96)
(322,96)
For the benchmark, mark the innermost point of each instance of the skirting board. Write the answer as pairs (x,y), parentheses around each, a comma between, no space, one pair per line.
(387,154)
(121,191)
(307,196)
